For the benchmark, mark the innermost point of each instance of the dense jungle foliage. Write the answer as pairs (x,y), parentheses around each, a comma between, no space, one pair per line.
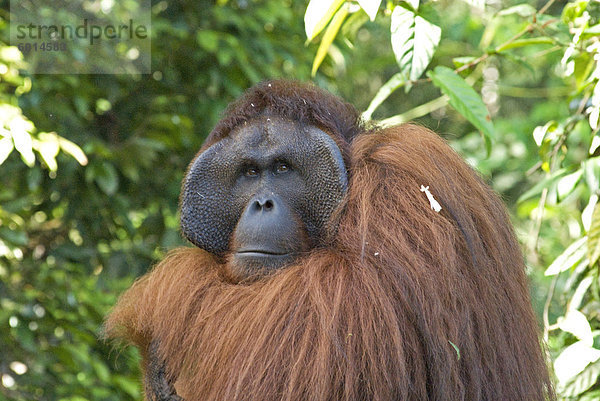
(91,164)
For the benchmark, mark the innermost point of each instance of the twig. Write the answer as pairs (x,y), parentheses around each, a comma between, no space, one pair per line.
(416,112)
(545,7)
(535,232)
(549,297)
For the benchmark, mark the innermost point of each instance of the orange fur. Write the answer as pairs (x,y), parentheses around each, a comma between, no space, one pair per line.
(372,317)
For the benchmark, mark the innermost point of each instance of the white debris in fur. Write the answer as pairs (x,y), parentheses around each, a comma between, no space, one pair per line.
(434,204)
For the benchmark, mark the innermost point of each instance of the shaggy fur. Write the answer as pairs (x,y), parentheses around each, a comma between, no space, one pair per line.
(373,316)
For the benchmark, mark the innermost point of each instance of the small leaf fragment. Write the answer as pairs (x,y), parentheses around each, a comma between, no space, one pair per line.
(593,244)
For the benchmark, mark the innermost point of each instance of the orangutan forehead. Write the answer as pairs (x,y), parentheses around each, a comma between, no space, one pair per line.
(268,131)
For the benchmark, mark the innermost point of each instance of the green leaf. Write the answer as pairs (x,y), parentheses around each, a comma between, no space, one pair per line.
(15,237)
(520,61)
(523,10)
(131,387)
(465,100)
(106,177)
(370,6)
(525,42)
(353,23)
(545,183)
(328,37)
(101,371)
(593,244)
(590,396)
(460,61)
(572,255)
(395,82)
(414,41)
(593,30)
(208,40)
(455,349)
(573,10)
(318,14)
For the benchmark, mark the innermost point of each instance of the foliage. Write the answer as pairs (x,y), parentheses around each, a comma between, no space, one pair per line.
(81,218)
(90,165)
(565,179)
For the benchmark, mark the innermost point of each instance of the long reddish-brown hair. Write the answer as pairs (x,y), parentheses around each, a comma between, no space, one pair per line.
(407,304)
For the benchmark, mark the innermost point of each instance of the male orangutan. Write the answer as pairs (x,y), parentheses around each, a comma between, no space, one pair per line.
(324,268)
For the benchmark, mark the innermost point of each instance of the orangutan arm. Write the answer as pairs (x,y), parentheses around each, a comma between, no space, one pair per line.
(159,386)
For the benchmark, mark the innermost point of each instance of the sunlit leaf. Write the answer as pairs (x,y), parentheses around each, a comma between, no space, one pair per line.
(593,244)
(414,41)
(592,172)
(465,100)
(329,36)
(22,140)
(73,150)
(582,382)
(318,14)
(6,148)
(586,215)
(566,184)
(48,148)
(576,323)
(594,116)
(580,292)
(539,133)
(595,144)
(414,4)
(572,255)
(573,360)
(370,6)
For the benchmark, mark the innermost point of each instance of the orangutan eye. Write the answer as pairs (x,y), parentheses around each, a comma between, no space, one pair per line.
(282,168)
(251,171)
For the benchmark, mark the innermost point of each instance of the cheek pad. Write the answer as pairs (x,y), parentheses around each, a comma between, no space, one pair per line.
(326,181)
(209,211)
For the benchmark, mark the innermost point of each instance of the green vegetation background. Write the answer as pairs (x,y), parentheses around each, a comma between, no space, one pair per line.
(75,234)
